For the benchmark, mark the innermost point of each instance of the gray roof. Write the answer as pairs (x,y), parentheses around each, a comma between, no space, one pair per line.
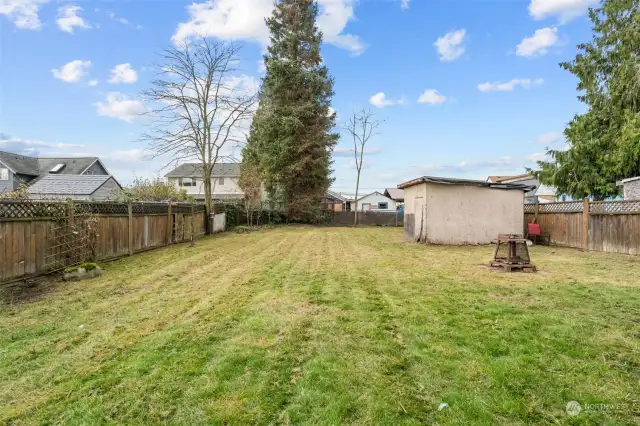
(394,193)
(69,184)
(20,163)
(371,193)
(453,181)
(73,165)
(34,166)
(335,195)
(195,170)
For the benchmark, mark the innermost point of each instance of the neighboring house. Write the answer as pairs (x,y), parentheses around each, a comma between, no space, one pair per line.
(460,211)
(224,181)
(16,170)
(76,187)
(376,201)
(335,201)
(630,188)
(396,195)
(541,193)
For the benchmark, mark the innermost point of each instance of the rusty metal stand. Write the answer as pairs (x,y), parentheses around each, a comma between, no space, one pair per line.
(512,253)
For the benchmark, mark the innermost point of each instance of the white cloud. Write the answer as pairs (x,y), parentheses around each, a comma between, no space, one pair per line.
(6,141)
(450,46)
(564,10)
(121,107)
(508,86)
(432,97)
(379,100)
(538,43)
(404,5)
(23,13)
(68,18)
(123,73)
(93,83)
(244,20)
(549,138)
(73,71)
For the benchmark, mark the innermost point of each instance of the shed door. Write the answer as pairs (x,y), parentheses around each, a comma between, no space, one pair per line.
(420,217)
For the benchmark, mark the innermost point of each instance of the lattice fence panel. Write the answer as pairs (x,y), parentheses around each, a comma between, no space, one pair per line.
(615,207)
(27,209)
(562,207)
(116,209)
(529,208)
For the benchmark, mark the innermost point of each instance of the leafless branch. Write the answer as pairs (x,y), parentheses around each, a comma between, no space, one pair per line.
(362,126)
(197,105)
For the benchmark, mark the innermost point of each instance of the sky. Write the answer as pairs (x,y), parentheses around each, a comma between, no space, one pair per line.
(465,88)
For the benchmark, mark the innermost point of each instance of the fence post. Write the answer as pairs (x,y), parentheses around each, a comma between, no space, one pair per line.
(192,214)
(536,211)
(169,224)
(130,212)
(585,224)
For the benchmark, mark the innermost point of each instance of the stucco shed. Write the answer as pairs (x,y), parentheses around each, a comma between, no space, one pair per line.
(459,211)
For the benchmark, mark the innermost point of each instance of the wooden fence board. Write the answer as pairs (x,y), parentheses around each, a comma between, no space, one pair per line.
(27,244)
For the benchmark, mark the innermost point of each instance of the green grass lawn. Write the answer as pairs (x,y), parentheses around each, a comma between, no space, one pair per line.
(327,326)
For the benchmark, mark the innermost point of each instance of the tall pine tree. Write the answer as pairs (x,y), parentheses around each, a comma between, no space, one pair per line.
(604,142)
(291,135)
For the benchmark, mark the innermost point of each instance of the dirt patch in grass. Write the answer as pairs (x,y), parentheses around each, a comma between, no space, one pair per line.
(30,289)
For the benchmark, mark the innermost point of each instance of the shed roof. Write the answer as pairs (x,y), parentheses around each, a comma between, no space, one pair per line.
(69,184)
(195,170)
(454,181)
(627,180)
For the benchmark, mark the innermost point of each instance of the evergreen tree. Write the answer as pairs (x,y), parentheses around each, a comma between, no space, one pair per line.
(291,138)
(604,142)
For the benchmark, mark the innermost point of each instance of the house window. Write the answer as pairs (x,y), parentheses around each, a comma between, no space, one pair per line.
(187,181)
(221,181)
(4,174)
(383,205)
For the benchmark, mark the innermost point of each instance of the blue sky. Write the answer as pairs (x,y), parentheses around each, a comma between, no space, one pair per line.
(466,88)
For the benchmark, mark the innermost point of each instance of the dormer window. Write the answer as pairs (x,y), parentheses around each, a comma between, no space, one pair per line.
(57,168)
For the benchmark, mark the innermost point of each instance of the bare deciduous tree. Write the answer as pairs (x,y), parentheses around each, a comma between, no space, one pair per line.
(198,106)
(362,127)
(251,183)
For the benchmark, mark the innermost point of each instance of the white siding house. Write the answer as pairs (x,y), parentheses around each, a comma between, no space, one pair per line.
(376,201)
(224,180)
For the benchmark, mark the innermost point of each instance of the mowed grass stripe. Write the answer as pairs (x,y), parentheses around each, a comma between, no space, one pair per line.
(326,326)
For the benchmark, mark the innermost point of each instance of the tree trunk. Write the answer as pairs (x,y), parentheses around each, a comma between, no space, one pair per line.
(207,201)
(355,218)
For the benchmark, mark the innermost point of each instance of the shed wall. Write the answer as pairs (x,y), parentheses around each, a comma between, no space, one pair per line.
(466,214)
(411,217)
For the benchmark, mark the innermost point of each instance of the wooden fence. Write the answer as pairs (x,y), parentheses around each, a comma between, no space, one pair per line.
(609,226)
(31,240)
(345,218)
